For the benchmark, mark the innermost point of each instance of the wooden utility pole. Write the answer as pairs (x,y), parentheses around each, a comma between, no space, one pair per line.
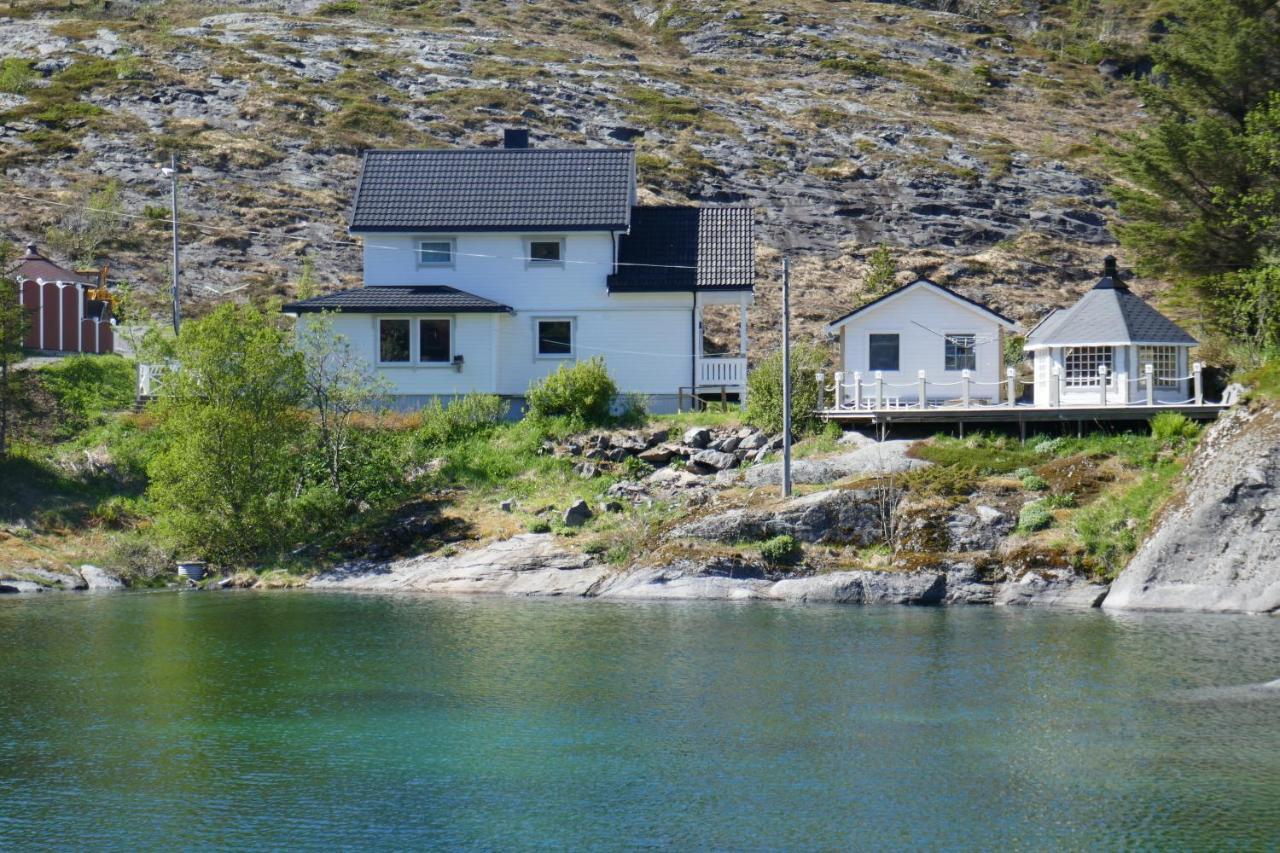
(786,376)
(173,203)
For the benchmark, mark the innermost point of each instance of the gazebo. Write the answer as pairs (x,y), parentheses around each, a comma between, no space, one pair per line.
(1111,348)
(70,311)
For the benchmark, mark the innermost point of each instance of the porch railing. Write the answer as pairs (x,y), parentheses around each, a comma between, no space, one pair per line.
(715,370)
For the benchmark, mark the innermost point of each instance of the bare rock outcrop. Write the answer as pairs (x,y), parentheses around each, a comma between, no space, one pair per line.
(1217,548)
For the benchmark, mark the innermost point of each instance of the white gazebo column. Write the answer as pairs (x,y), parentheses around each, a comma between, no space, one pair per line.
(697,326)
(1122,362)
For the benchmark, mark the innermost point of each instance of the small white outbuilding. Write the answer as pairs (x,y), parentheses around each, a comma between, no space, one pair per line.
(1097,351)
(921,335)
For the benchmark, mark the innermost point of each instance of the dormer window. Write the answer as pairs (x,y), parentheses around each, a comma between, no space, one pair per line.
(435,253)
(543,252)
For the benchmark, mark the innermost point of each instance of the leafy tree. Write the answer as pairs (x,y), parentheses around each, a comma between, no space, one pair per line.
(338,383)
(95,218)
(1197,198)
(882,273)
(225,482)
(764,390)
(13,329)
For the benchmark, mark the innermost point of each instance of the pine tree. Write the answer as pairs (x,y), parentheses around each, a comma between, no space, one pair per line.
(882,273)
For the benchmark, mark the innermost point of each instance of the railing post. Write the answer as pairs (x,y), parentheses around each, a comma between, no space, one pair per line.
(924,390)
(879,390)
(1149,377)
(857,389)
(964,388)
(1196,370)
(822,381)
(1102,382)
(1055,386)
(1009,378)
(839,389)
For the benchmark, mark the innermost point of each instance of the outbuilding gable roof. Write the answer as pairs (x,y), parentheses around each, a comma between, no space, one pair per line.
(37,267)
(1109,314)
(495,189)
(921,282)
(686,249)
(399,300)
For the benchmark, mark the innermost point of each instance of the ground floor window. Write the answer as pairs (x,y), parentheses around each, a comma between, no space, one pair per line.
(1165,362)
(883,353)
(393,341)
(960,352)
(1082,363)
(433,340)
(555,338)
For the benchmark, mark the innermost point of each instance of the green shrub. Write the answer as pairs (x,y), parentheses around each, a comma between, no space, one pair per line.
(1173,428)
(340,7)
(635,468)
(464,417)
(16,75)
(1034,516)
(764,390)
(595,547)
(1023,472)
(780,549)
(88,386)
(1034,483)
(1111,527)
(583,391)
(539,526)
(1066,500)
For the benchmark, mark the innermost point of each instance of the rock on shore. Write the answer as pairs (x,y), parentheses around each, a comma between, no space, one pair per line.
(1217,548)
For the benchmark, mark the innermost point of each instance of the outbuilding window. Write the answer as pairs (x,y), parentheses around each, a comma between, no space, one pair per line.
(1165,362)
(960,352)
(883,352)
(1082,363)
(393,341)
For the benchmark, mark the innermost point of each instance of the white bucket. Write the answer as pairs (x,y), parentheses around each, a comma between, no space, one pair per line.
(193,570)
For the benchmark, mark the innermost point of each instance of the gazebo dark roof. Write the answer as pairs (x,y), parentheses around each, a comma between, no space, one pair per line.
(399,300)
(1108,315)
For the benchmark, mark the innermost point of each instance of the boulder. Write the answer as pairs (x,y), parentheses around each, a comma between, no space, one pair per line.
(577,514)
(659,455)
(98,579)
(630,443)
(752,441)
(1033,590)
(655,437)
(708,461)
(697,437)
(864,587)
(869,460)
(1215,547)
(979,529)
(835,516)
(586,470)
(12,587)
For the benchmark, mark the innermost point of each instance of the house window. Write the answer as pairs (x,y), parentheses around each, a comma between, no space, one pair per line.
(544,252)
(555,338)
(435,253)
(1165,362)
(961,352)
(1082,363)
(393,341)
(884,352)
(433,341)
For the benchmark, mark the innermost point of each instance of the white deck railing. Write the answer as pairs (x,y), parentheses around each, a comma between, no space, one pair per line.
(151,379)
(875,394)
(716,370)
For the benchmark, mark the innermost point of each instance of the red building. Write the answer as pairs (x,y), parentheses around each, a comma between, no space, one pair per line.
(70,311)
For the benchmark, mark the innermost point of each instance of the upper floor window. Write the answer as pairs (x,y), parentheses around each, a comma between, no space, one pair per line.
(960,352)
(883,352)
(435,253)
(546,252)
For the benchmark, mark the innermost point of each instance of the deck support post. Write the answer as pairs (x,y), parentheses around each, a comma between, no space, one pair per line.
(1149,377)
(964,393)
(879,390)
(1102,382)
(857,389)
(822,381)
(1010,382)
(839,389)
(1022,430)
(1196,370)
(924,384)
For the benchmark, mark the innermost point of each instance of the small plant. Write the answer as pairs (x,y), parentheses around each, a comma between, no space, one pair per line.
(1034,516)
(1034,483)
(583,391)
(634,468)
(340,7)
(1066,500)
(539,526)
(464,417)
(780,549)
(1022,472)
(16,76)
(1173,428)
(595,547)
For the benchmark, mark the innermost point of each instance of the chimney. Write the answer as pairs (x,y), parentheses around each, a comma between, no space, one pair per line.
(515,137)
(1109,267)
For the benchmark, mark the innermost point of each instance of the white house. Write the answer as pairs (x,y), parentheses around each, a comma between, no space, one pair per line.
(485,269)
(1097,352)
(921,330)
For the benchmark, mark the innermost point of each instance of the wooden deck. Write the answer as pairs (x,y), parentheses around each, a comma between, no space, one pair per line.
(1021,414)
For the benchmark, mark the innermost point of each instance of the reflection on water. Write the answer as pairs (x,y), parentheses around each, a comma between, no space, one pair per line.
(288,719)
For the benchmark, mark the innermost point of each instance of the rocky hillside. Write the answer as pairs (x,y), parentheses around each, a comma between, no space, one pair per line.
(967,138)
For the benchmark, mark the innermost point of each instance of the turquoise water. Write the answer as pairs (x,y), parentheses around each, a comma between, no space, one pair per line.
(322,721)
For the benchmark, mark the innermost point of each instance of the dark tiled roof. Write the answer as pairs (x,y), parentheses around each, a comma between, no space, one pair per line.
(932,284)
(34,265)
(710,248)
(1108,314)
(495,189)
(399,300)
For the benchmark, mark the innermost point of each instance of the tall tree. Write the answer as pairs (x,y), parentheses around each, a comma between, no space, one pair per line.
(13,329)
(1190,184)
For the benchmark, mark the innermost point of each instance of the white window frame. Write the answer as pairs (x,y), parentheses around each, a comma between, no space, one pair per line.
(530,263)
(571,355)
(898,335)
(1092,358)
(1165,359)
(415,340)
(377,340)
(436,265)
(948,341)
